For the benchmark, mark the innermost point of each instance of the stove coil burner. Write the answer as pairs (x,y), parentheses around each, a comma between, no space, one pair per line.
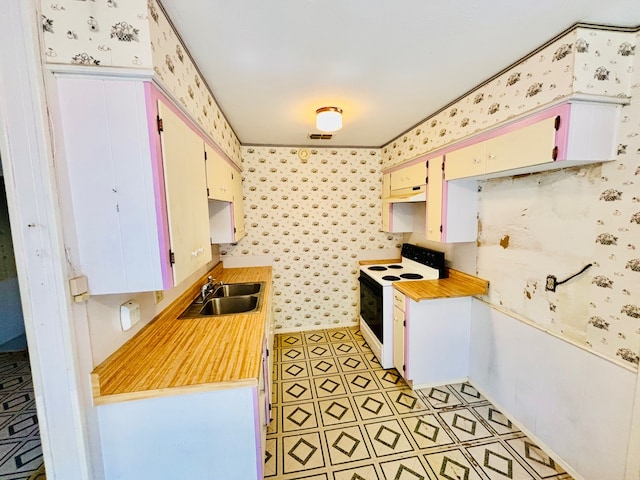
(395,267)
(411,276)
(377,268)
(391,278)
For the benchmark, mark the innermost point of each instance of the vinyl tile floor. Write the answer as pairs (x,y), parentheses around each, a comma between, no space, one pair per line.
(20,449)
(337,415)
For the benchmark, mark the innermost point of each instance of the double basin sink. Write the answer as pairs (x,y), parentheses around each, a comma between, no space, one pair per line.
(227,299)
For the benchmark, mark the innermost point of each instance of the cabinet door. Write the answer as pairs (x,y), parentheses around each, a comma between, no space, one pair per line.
(386,185)
(238,207)
(219,176)
(410,176)
(386,216)
(106,138)
(399,332)
(398,340)
(434,198)
(465,162)
(187,211)
(524,147)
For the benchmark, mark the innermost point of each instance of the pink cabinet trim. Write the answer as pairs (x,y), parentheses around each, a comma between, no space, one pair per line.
(152,96)
(562,136)
(258,432)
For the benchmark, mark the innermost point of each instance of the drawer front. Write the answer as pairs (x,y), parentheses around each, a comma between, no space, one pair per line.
(398,300)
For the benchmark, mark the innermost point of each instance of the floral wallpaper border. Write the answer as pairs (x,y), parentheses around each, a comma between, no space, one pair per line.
(134,34)
(585,60)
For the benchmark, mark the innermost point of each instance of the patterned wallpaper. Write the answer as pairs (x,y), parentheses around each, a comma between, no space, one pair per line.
(583,61)
(613,327)
(105,33)
(133,34)
(174,67)
(316,216)
(554,223)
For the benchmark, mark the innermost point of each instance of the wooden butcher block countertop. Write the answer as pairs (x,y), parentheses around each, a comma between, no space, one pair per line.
(458,284)
(170,356)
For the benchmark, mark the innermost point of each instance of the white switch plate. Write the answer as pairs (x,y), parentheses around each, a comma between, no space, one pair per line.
(129,314)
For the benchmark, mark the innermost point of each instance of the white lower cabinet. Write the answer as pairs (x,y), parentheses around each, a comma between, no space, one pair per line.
(210,434)
(399,301)
(431,340)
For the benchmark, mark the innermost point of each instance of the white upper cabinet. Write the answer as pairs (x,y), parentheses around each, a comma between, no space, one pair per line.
(408,179)
(451,206)
(523,147)
(386,185)
(135,196)
(226,219)
(238,207)
(220,176)
(226,205)
(186,194)
(467,161)
(435,168)
(570,134)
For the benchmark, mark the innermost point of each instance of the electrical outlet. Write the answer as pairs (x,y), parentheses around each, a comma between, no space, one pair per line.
(552,283)
(158,295)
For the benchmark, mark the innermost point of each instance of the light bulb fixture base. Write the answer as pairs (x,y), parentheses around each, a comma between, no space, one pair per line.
(329,119)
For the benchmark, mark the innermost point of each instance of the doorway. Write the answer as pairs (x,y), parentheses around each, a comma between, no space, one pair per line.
(12,331)
(19,432)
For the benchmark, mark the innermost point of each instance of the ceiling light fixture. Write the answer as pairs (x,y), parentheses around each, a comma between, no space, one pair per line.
(329,119)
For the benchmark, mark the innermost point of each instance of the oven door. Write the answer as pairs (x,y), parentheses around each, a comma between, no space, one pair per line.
(371,304)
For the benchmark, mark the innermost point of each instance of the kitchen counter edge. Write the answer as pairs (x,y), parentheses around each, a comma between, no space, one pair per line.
(457,284)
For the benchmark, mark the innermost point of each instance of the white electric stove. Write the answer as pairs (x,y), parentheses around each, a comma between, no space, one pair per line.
(376,294)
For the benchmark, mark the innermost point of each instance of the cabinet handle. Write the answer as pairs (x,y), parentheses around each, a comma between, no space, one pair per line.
(477,160)
(492,156)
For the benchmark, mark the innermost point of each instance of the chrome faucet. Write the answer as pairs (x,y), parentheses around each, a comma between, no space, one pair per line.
(207,288)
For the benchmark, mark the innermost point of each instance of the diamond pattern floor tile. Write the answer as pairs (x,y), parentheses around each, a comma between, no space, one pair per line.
(336,411)
(339,416)
(20,448)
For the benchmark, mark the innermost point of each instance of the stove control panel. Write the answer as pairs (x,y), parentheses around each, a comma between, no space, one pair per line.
(426,256)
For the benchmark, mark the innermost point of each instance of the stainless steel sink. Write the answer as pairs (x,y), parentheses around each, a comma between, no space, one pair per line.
(227,299)
(234,289)
(230,305)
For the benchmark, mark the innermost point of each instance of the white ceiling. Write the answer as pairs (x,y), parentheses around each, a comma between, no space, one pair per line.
(388,63)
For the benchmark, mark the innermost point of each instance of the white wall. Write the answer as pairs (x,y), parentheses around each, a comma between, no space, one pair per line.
(575,404)
(460,256)
(103,313)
